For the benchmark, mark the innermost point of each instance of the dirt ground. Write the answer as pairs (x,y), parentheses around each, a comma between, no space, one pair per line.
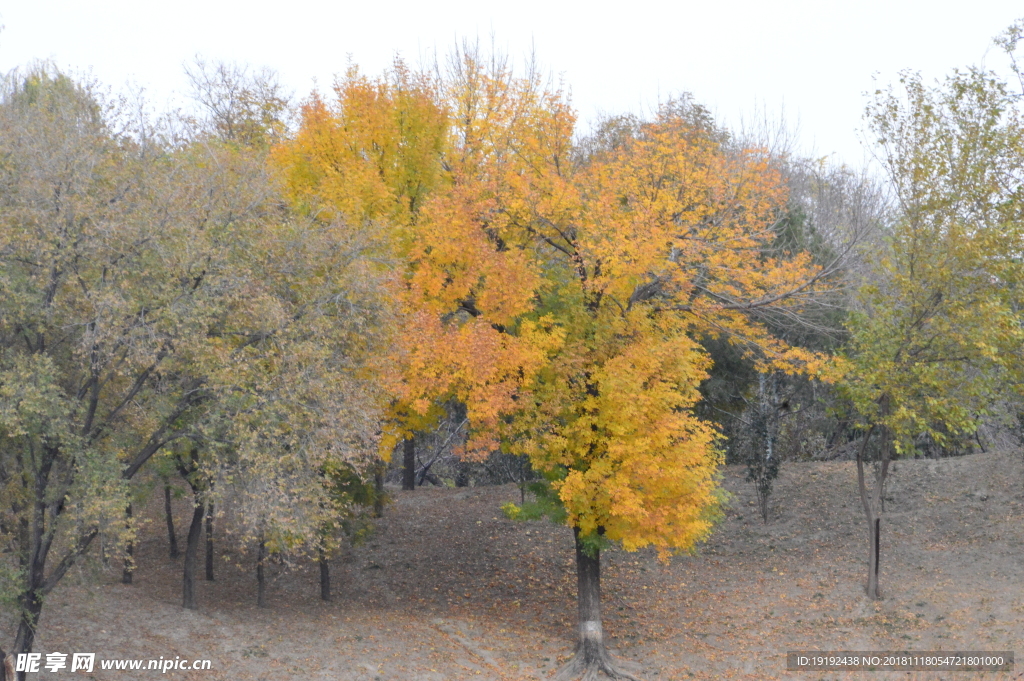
(448,588)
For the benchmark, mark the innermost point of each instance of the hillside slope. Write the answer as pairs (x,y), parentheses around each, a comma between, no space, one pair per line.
(447,588)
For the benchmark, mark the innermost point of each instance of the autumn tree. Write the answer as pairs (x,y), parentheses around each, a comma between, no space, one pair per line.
(662,236)
(834,214)
(558,292)
(153,293)
(296,396)
(303,399)
(614,263)
(105,282)
(237,104)
(371,157)
(937,327)
(422,158)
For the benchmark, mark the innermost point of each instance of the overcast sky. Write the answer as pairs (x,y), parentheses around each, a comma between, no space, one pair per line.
(811,59)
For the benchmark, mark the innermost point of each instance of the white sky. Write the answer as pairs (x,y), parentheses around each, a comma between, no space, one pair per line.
(811,59)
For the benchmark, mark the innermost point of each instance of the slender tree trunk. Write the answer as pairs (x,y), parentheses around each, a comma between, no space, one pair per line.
(765,426)
(33,562)
(126,574)
(409,464)
(522,479)
(31,606)
(378,490)
(871,499)
(209,542)
(874,559)
(325,576)
(591,657)
(261,582)
(172,539)
(195,530)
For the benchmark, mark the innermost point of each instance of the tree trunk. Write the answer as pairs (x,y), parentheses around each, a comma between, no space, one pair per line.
(588,601)
(522,479)
(378,490)
(462,474)
(31,606)
(325,576)
(874,559)
(188,599)
(409,464)
(170,521)
(6,666)
(872,502)
(261,582)
(765,424)
(209,542)
(126,574)
(33,561)
(591,658)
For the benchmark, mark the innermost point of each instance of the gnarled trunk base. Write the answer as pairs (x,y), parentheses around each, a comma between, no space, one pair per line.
(591,660)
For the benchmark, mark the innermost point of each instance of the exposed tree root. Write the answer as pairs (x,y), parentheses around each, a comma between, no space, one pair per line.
(590,665)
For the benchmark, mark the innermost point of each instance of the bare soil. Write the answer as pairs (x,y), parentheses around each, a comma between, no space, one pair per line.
(448,588)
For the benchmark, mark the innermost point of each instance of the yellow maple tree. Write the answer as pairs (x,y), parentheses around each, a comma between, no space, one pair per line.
(646,246)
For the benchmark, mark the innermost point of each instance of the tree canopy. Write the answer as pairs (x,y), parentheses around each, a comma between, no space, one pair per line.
(936,335)
(272,304)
